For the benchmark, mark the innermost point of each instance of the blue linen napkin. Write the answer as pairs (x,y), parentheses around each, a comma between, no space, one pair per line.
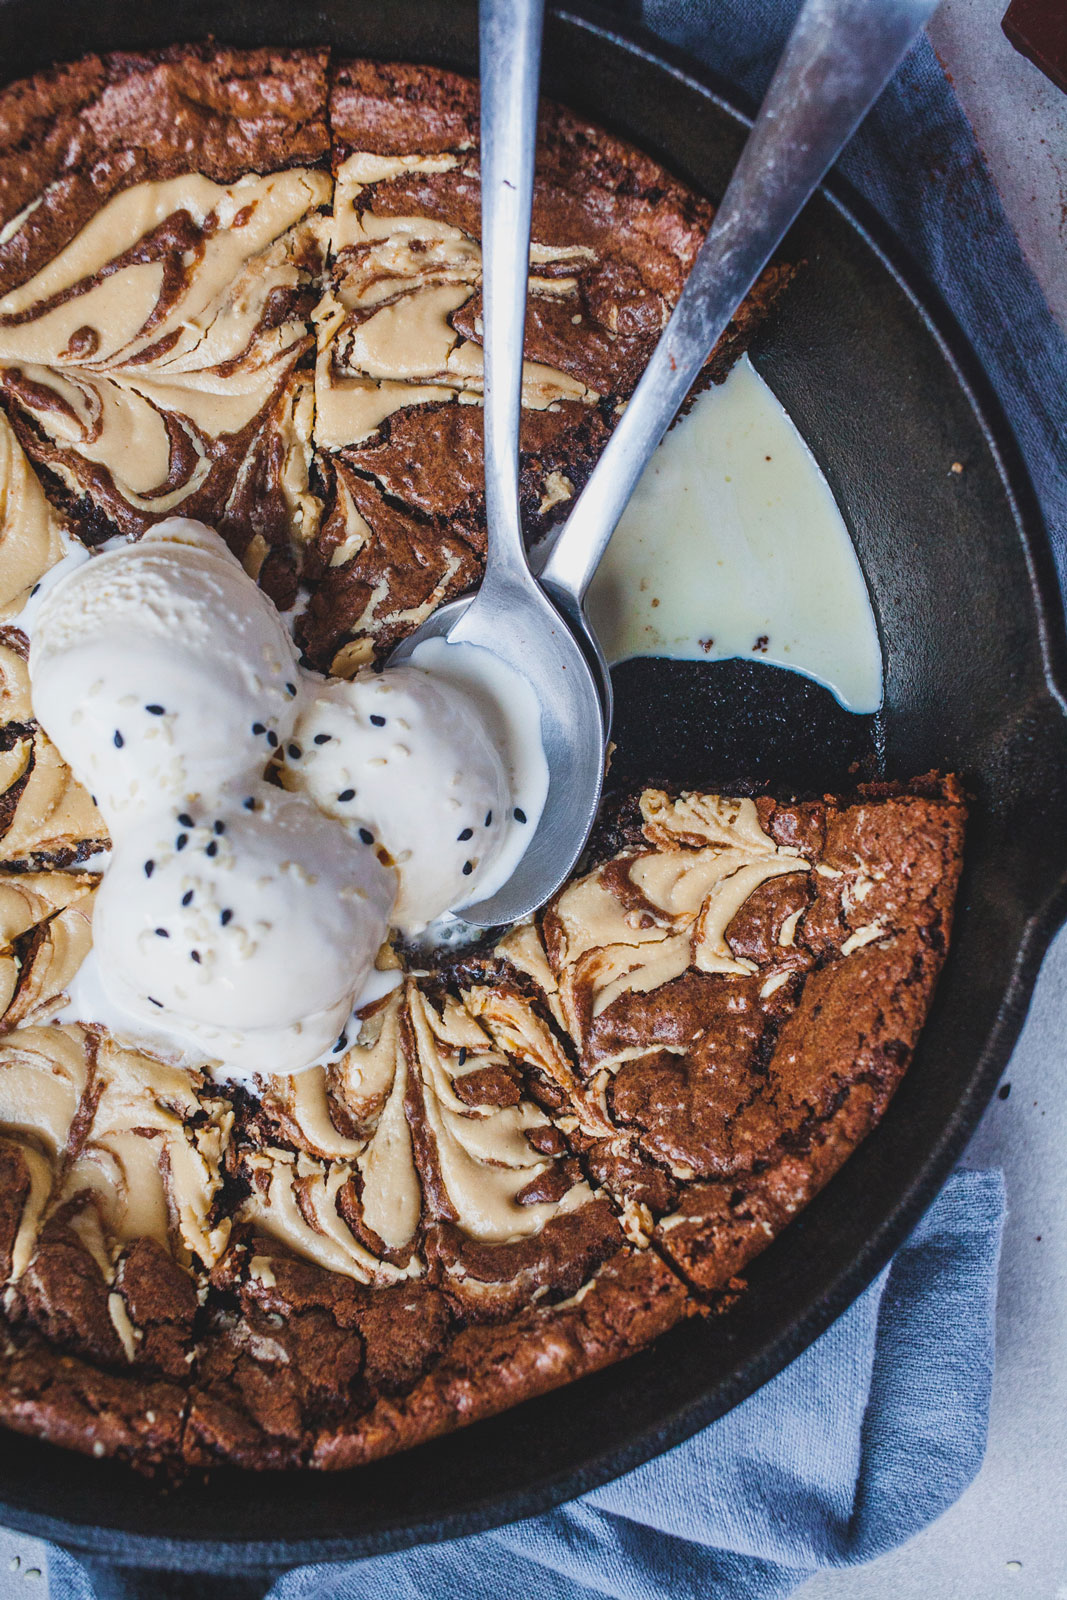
(876,1429)
(865,1438)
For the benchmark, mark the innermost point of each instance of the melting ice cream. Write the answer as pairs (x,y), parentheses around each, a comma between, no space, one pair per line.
(413,760)
(160,671)
(237,918)
(242,925)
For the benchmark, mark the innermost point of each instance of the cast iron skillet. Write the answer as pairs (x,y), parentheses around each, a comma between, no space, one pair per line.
(888,394)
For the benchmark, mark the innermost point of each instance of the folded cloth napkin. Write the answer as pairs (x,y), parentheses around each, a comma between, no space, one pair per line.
(871,1433)
(863,1440)
(880,1425)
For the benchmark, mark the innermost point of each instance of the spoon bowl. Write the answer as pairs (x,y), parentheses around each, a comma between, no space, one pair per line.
(441,623)
(533,640)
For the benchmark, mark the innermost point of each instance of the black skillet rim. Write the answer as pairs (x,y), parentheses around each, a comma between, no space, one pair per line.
(195,1553)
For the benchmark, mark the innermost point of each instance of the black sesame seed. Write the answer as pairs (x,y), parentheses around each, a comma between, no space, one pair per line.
(161,933)
(220,827)
(119,740)
(187,898)
(258,728)
(290,688)
(194,955)
(323,738)
(462,1054)
(34,590)
(1004,1091)
(181,841)
(272,738)
(294,752)
(346,795)
(468,833)
(155,711)
(186,820)
(342,1044)
(149,868)
(225,916)
(153,1002)
(212,849)
(519,814)
(489,819)
(366,835)
(250,804)
(92,797)
(379,722)
(468,868)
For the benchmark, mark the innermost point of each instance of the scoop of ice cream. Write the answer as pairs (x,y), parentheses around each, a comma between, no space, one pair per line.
(237,920)
(409,763)
(160,670)
(247,924)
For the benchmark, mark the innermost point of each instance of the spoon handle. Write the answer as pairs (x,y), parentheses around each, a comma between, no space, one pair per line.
(509,37)
(838,59)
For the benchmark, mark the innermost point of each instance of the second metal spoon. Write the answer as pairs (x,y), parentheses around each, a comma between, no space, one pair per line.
(837,60)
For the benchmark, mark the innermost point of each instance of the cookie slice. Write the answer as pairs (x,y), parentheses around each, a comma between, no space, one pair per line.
(157,270)
(112,1163)
(383,1204)
(744,984)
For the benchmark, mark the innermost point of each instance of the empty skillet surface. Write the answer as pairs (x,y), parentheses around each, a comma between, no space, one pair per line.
(888,395)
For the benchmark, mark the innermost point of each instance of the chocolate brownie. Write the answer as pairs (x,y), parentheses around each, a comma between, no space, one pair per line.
(246,286)
(830,941)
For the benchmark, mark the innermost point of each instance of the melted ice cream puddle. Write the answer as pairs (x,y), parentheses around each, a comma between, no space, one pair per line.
(732,545)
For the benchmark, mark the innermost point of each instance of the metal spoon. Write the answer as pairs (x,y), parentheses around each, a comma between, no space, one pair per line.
(838,59)
(510,615)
